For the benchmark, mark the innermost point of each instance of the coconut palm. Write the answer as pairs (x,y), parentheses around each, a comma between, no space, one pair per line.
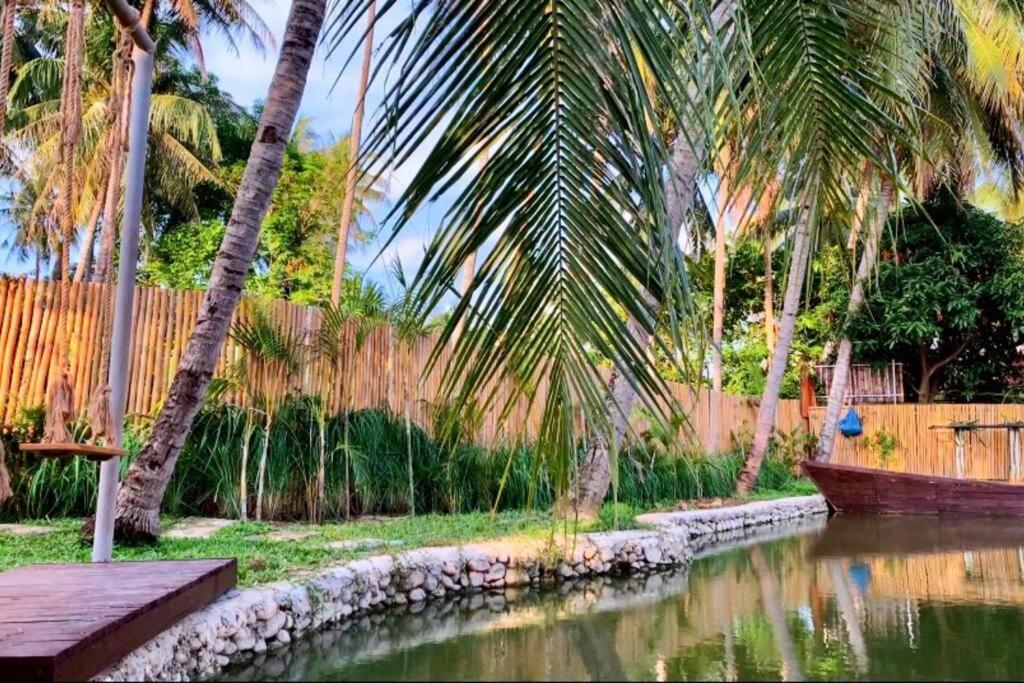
(351,176)
(183,138)
(7,58)
(572,194)
(821,157)
(974,94)
(140,494)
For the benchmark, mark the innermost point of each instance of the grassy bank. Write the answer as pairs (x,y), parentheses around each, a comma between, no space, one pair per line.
(262,559)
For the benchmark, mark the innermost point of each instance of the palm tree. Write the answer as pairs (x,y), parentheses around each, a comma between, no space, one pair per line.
(970,100)
(140,494)
(579,245)
(818,164)
(351,175)
(7,58)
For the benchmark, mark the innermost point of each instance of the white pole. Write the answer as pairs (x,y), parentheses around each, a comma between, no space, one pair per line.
(135,171)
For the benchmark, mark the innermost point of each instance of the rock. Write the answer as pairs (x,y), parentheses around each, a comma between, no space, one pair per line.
(284,637)
(266,612)
(417,595)
(497,571)
(476,579)
(414,579)
(268,629)
(244,640)
(478,565)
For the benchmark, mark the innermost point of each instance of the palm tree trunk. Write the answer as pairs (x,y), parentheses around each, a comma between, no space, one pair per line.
(841,373)
(84,266)
(717,329)
(352,176)
(769,297)
(141,492)
(780,359)
(7,59)
(468,270)
(594,477)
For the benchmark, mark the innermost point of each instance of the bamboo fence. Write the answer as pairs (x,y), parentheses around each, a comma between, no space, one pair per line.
(374,376)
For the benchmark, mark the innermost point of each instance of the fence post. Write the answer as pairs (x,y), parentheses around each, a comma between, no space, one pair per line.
(961,463)
(1014,434)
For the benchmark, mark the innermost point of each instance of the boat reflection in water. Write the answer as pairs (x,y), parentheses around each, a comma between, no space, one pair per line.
(871,598)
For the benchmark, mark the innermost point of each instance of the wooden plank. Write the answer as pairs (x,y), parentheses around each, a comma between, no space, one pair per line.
(70,622)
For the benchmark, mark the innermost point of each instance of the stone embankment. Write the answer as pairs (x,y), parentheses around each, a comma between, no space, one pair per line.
(251,622)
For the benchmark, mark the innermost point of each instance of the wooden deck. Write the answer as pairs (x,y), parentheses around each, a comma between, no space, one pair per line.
(71,621)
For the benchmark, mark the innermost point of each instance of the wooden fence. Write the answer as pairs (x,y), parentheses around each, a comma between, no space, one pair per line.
(374,375)
(377,372)
(913,446)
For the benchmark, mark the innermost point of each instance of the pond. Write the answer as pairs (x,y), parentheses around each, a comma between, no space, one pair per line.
(856,598)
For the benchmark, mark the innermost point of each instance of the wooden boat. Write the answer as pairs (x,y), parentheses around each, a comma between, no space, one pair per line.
(862,490)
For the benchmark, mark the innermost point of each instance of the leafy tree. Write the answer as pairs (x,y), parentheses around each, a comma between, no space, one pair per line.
(948,302)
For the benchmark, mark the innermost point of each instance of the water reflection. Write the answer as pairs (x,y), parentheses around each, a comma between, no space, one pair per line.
(864,598)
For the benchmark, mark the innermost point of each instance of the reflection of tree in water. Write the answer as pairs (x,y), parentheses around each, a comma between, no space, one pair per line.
(770,611)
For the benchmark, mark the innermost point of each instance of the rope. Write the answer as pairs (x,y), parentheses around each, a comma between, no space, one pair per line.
(100,417)
(61,402)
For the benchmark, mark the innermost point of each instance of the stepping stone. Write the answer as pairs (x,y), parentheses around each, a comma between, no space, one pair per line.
(287,535)
(25,529)
(363,544)
(197,527)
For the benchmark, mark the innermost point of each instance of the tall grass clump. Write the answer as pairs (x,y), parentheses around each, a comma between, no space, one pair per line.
(452,474)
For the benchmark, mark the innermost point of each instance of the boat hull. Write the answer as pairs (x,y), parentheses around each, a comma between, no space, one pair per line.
(860,490)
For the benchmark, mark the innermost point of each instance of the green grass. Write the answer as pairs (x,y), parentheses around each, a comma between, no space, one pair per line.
(261,560)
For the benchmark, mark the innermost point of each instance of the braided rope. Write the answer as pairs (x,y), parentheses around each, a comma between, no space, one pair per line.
(100,417)
(61,402)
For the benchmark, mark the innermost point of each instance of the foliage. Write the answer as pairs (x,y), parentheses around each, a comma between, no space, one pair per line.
(948,302)
(885,445)
(295,259)
(450,477)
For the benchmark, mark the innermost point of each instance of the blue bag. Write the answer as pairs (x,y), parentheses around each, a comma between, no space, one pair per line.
(850,425)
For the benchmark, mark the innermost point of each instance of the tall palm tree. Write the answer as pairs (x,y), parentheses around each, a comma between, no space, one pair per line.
(140,494)
(351,177)
(579,246)
(972,100)
(819,141)
(7,58)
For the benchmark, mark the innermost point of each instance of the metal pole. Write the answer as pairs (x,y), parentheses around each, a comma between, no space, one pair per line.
(135,171)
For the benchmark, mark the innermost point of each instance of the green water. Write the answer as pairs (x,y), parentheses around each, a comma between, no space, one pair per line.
(860,598)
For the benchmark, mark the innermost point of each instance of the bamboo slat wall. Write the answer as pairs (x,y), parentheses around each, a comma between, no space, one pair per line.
(923,450)
(371,376)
